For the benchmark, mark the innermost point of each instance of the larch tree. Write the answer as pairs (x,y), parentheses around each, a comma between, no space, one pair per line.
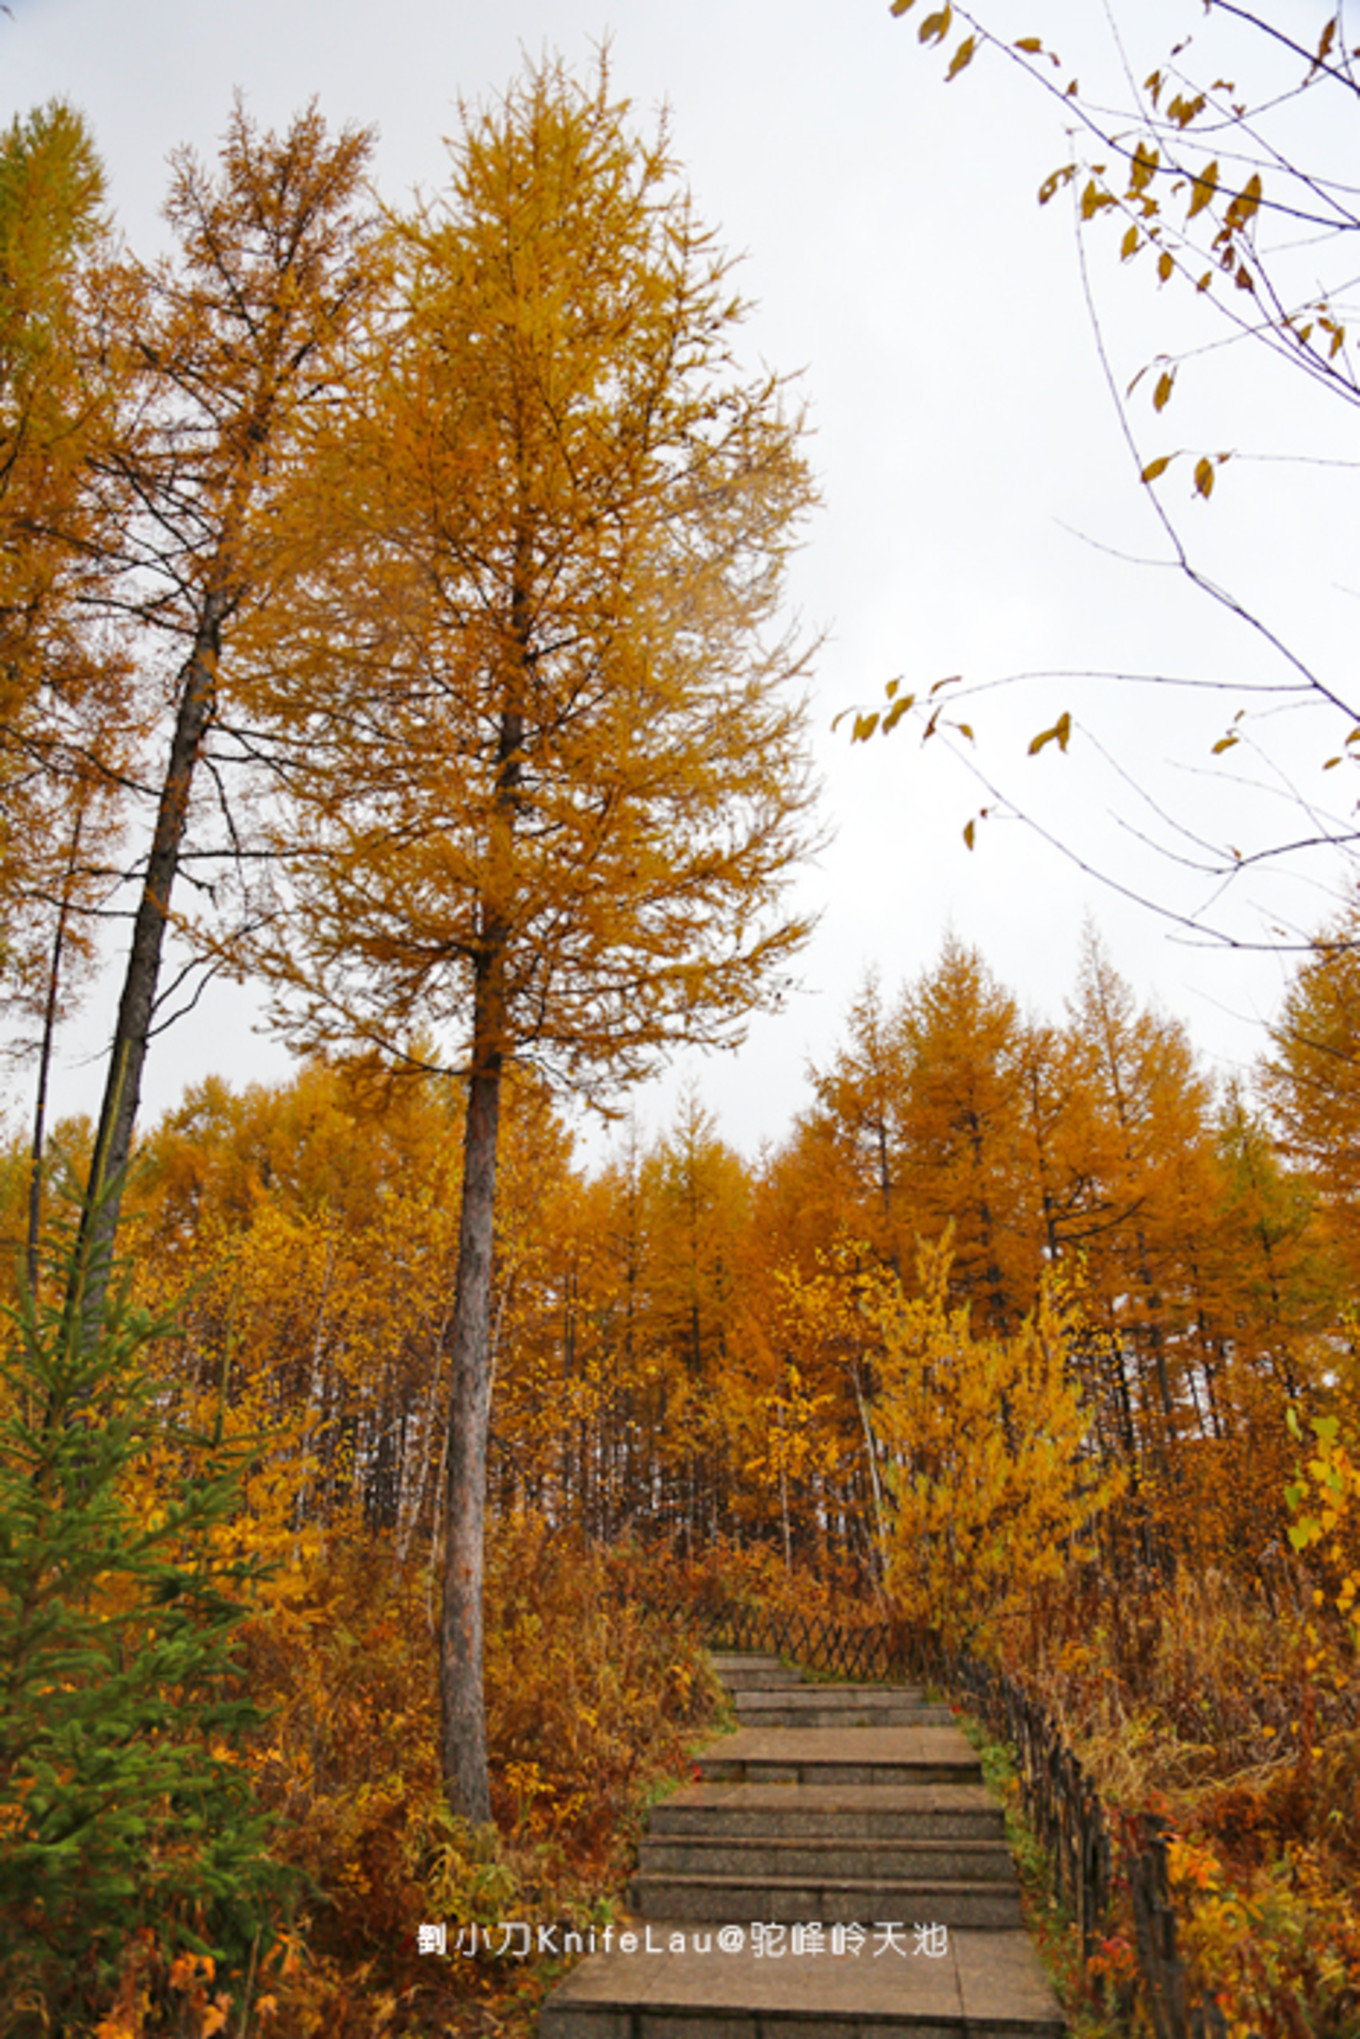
(550,777)
(64,708)
(232,341)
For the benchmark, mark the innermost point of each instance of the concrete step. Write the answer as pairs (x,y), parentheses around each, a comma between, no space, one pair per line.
(755,1693)
(836,1881)
(956,1902)
(748,1674)
(877,1861)
(841,1756)
(809,1708)
(983,1983)
(929,1812)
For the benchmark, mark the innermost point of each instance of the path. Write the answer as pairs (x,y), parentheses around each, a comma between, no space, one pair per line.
(844,1838)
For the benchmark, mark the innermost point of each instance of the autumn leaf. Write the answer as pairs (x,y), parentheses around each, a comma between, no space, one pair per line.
(1060,734)
(1143,169)
(1203,186)
(1244,206)
(963,56)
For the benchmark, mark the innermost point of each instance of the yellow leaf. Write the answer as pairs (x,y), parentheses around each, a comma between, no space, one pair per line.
(897,711)
(962,57)
(1246,203)
(1031,45)
(1184,111)
(1145,161)
(936,27)
(1165,265)
(865,725)
(1060,734)
(1224,743)
(901,6)
(1161,396)
(1130,243)
(1202,188)
(1204,477)
(1324,46)
(1156,467)
(969,833)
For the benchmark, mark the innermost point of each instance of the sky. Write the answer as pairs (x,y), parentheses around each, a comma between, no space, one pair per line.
(981,510)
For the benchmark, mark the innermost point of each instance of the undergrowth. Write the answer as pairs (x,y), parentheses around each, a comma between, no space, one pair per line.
(1235,1714)
(593,1703)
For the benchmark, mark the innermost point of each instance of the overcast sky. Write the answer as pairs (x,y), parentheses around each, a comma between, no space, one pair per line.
(981,511)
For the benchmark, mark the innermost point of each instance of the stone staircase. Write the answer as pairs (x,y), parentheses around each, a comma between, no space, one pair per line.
(838,1871)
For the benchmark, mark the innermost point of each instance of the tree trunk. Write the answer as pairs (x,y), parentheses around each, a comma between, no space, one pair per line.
(49,1033)
(467,1783)
(123,1085)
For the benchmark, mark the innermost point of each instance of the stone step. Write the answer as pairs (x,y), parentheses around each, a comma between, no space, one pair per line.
(841,1756)
(821,1881)
(748,1674)
(757,1694)
(831,1900)
(930,1812)
(808,1708)
(983,1983)
(876,1861)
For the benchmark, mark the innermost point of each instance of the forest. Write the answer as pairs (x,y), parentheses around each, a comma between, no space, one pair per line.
(390,617)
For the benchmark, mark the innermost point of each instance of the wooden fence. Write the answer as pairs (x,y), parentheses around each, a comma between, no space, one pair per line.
(1091,1853)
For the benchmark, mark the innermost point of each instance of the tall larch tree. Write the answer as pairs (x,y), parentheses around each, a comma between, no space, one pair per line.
(233,340)
(961,1120)
(551,778)
(64,709)
(1145,1109)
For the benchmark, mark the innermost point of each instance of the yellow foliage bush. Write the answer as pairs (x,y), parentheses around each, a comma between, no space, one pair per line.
(989,1481)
